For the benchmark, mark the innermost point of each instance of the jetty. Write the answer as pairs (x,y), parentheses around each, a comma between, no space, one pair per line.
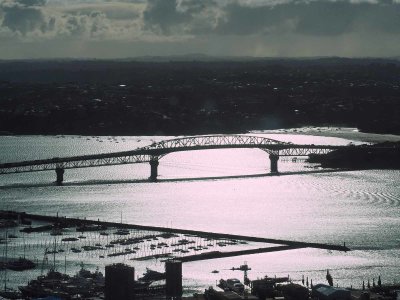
(214,240)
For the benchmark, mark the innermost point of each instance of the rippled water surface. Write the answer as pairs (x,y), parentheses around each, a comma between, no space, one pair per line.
(226,191)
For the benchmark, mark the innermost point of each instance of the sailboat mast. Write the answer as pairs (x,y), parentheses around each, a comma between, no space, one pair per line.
(6,261)
(54,254)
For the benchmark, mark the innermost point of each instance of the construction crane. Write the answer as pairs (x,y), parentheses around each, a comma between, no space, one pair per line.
(244,268)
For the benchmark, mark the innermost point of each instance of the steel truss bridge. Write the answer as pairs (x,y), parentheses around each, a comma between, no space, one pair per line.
(156,151)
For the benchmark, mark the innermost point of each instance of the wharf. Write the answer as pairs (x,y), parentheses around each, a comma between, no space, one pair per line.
(281,245)
(218,254)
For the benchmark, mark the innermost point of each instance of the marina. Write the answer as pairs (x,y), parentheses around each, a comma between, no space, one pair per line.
(138,241)
(193,183)
(199,150)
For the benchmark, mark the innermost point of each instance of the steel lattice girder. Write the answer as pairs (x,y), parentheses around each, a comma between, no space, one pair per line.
(160,149)
(97,162)
(214,140)
(303,151)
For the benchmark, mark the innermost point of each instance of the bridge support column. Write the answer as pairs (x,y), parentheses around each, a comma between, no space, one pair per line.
(274,163)
(60,176)
(153,170)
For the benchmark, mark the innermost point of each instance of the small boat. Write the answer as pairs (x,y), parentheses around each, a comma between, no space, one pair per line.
(56,231)
(26,222)
(231,284)
(10,294)
(21,264)
(86,228)
(7,293)
(152,275)
(122,232)
(51,252)
(69,239)
(37,229)
(8,223)
(44,286)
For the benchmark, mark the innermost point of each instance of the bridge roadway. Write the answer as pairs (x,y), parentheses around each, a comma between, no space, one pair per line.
(154,152)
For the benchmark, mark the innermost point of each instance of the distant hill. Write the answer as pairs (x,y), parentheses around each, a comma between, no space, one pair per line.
(90,70)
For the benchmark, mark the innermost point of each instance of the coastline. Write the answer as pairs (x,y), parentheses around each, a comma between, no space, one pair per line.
(349,133)
(337,132)
(366,195)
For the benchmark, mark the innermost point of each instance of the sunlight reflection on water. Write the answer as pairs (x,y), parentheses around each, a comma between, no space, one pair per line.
(225,191)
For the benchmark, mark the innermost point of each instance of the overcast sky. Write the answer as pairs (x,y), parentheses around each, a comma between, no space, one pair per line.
(267,28)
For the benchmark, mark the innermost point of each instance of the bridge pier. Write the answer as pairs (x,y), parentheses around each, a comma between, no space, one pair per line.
(153,170)
(274,163)
(60,176)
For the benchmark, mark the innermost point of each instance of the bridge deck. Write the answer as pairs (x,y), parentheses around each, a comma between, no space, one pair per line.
(157,150)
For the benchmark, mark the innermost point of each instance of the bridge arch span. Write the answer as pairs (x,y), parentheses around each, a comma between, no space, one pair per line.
(164,147)
(204,142)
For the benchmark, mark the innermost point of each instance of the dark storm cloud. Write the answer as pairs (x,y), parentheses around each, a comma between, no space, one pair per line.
(185,16)
(244,20)
(319,18)
(35,19)
(334,18)
(162,16)
(24,16)
(212,17)
(326,18)
(384,17)
(215,27)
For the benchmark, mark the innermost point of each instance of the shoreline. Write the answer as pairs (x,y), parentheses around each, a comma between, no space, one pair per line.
(312,132)
(348,133)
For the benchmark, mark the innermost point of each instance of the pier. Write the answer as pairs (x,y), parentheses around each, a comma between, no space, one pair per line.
(215,240)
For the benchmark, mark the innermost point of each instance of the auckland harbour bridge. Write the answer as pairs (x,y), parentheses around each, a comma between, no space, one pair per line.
(153,153)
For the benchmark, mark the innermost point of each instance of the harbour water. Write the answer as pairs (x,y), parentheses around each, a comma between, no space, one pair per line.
(228,191)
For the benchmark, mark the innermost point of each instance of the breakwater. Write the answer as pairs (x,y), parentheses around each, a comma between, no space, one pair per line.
(206,242)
